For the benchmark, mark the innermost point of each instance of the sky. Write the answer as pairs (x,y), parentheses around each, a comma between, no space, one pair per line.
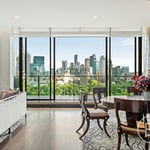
(66,47)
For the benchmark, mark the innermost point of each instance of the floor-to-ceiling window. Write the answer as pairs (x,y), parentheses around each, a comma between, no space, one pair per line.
(80,65)
(122,64)
(38,70)
(59,67)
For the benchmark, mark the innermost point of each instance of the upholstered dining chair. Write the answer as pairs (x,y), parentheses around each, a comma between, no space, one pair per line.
(98,92)
(127,128)
(88,115)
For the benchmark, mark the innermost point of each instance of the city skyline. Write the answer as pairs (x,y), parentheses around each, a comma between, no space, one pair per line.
(122,49)
(91,66)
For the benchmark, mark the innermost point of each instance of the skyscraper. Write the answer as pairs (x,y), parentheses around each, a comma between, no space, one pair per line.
(125,70)
(102,66)
(64,65)
(75,59)
(93,63)
(88,68)
(38,65)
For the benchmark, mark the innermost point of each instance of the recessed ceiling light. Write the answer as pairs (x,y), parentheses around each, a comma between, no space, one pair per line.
(95,16)
(16,17)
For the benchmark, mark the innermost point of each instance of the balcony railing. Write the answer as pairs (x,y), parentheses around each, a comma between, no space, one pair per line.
(67,88)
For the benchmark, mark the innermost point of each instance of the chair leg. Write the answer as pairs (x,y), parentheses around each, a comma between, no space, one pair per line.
(99,124)
(126,137)
(146,146)
(119,141)
(83,121)
(104,126)
(87,127)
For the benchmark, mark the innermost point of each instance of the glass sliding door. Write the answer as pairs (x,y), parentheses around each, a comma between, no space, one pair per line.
(122,64)
(80,66)
(38,68)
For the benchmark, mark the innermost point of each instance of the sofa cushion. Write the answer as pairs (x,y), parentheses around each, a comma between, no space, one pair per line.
(8,93)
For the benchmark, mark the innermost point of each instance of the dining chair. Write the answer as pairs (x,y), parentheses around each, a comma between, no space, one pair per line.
(132,106)
(132,90)
(98,93)
(88,115)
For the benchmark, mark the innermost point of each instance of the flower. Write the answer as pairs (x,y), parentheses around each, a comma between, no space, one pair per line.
(142,83)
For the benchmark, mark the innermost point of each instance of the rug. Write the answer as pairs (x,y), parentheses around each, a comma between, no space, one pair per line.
(96,139)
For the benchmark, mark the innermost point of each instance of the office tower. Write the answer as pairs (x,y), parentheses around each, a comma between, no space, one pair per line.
(75,59)
(71,65)
(116,71)
(125,70)
(93,63)
(38,65)
(28,62)
(88,68)
(64,65)
(87,62)
(102,66)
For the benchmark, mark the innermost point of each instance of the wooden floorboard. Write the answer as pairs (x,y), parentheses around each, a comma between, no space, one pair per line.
(46,129)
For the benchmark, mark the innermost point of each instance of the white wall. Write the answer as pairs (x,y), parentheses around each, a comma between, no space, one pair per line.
(5,69)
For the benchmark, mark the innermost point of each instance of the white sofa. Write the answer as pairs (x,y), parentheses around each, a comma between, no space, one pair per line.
(12,110)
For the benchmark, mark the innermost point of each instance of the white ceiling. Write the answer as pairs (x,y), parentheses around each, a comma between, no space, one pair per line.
(75,13)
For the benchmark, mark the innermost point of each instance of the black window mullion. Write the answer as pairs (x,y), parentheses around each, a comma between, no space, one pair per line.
(139,55)
(135,55)
(106,64)
(26,63)
(20,63)
(110,66)
(54,51)
(50,66)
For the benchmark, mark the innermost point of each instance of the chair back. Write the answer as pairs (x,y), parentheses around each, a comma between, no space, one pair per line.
(98,92)
(83,100)
(134,107)
(131,89)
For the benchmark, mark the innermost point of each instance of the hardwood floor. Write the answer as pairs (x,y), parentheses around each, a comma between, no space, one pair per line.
(47,129)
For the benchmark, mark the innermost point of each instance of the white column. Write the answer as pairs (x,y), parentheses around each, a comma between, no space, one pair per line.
(6,78)
(146,49)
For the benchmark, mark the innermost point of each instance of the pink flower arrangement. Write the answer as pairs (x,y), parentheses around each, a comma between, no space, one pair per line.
(142,83)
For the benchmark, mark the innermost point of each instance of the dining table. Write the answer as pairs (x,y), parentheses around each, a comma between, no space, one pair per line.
(109,101)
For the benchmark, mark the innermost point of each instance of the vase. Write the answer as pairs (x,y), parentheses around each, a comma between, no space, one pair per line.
(147,95)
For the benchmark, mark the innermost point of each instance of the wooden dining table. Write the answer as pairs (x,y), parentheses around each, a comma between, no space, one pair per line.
(109,101)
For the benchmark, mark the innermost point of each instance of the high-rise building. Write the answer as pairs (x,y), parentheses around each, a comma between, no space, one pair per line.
(75,59)
(64,65)
(38,65)
(102,65)
(93,63)
(88,68)
(28,63)
(116,71)
(87,62)
(125,70)
(38,60)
